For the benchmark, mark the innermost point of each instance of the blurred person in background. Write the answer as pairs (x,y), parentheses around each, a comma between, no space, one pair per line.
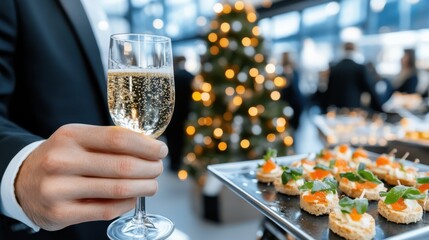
(406,81)
(58,178)
(175,132)
(291,92)
(348,81)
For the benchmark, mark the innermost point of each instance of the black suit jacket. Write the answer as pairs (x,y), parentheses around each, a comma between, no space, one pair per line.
(51,74)
(347,81)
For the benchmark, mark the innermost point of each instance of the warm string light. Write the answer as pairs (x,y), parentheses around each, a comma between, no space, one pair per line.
(259,58)
(246,41)
(259,79)
(182,175)
(251,17)
(254,42)
(270,68)
(218,8)
(227,9)
(229,73)
(224,42)
(239,5)
(253,111)
(196,96)
(271,137)
(280,82)
(275,95)
(225,27)
(253,72)
(256,31)
(240,89)
(288,141)
(214,50)
(222,146)
(190,130)
(212,37)
(217,133)
(237,100)
(245,143)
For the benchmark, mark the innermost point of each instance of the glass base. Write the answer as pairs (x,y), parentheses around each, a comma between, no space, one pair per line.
(155,227)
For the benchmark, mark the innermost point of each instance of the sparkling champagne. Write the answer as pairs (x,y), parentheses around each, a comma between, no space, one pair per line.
(141,100)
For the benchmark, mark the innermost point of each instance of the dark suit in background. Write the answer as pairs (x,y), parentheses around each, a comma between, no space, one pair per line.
(51,74)
(175,132)
(347,81)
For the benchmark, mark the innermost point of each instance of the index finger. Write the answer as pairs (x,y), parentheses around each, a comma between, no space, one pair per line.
(114,139)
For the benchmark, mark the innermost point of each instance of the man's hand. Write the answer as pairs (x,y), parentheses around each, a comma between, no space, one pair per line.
(86,173)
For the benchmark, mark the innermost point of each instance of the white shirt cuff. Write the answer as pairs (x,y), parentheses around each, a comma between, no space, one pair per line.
(9,206)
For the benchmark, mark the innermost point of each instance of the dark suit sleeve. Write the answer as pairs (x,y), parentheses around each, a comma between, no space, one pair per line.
(12,137)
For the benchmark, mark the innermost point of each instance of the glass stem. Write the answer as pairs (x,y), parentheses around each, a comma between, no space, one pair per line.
(140,212)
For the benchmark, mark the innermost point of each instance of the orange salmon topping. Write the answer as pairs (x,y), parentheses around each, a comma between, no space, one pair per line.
(366,185)
(268,166)
(355,216)
(424,187)
(327,155)
(343,148)
(340,163)
(317,197)
(382,160)
(399,205)
(319,174)
(345,180)
(360,153)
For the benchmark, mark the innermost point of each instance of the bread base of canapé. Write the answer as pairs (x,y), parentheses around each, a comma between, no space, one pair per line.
(343,228)
(405,217)
(318,208)
(288,189)
(392,180)
(268,177)
(370,193)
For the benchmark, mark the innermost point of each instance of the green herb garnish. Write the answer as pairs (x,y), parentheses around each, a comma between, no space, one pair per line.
(423,180)
(323,167)
(347,204)
(328,185)
(361,175)
(291,173)
(404,192)
(354,177)
(320,154)
(369,176)
(271,153)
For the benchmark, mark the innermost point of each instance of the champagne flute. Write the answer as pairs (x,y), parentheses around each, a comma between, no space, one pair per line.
(141,98)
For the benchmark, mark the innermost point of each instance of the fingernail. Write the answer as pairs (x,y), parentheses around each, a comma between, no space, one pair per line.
(163,152)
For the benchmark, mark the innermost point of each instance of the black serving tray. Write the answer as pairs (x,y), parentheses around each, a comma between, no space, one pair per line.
(284,210)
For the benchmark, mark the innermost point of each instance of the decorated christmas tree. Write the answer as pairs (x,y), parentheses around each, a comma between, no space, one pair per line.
(237,113)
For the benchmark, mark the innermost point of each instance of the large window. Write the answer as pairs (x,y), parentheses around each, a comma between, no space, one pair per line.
(387,18)
(352,12)
(285,25)
(320,19)
(419,14)
(181,19)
